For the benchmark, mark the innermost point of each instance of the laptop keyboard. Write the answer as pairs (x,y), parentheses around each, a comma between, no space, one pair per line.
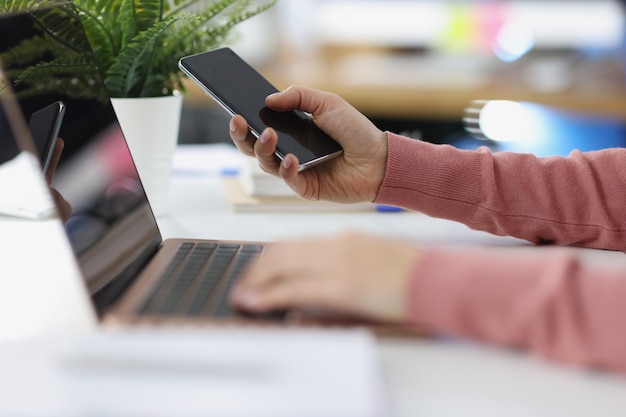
(199,279)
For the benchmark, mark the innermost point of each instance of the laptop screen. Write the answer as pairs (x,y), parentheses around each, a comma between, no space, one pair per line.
(24,193)
(12,126)
(110,225)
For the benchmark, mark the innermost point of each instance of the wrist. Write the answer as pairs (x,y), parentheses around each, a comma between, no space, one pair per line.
(380,167)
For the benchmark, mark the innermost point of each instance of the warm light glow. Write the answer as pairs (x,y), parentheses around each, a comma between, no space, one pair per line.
(505,121)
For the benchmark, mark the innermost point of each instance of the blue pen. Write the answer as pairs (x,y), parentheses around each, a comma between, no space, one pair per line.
(229,172)
(388,209)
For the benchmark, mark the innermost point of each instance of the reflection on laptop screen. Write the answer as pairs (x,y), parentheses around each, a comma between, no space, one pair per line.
(23,191)
(9,147)
(110,226)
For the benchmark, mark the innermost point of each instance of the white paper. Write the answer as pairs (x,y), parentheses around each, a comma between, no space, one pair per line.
(204,372)
(202,160)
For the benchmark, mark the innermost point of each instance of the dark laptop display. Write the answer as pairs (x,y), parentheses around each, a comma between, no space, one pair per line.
(23,191)
(96,174)
(111,227)
(11,124)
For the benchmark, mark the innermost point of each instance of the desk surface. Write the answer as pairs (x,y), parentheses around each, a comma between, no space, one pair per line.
(424,377)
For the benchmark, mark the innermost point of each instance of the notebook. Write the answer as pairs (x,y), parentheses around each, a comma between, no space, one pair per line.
(131,273)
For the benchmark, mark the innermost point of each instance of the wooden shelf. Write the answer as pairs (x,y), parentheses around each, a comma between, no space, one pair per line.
(417,99)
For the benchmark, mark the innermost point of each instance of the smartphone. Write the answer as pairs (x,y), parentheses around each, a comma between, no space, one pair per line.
(44,126)
(240,89)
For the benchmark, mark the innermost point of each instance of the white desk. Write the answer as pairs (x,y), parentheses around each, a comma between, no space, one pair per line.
(424,377)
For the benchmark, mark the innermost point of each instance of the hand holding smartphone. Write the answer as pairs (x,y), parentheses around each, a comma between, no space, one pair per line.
(44,126)
(240,89)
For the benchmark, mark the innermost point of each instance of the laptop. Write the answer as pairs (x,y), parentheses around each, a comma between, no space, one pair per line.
(130,272)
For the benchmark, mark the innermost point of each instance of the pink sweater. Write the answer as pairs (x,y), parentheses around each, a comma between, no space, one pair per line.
(545,300)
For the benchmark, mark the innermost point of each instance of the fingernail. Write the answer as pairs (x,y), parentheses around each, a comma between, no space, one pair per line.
(232,126)
(271,96)
(265,136)
(247,298)
(286,163)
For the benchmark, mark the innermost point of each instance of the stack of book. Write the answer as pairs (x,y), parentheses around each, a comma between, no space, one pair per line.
(258,183)
(256,190)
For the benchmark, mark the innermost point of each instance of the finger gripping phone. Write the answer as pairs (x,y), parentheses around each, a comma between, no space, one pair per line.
(44,126)
(240,89)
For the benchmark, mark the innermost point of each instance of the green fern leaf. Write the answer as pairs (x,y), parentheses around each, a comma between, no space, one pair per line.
(73,76)
(128,76)
(148,12)
(136,43)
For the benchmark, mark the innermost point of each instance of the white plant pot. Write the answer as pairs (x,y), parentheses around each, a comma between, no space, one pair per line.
(151,127)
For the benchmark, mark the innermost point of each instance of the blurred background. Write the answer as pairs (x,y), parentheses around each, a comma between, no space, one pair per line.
(414,66)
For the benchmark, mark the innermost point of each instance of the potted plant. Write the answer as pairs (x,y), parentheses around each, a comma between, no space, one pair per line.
(136,45)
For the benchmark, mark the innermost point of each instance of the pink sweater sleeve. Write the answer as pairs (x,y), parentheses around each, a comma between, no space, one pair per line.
(543,300)
(578,200)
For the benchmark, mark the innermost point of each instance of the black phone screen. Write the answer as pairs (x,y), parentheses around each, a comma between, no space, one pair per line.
(44,125)
(240,89)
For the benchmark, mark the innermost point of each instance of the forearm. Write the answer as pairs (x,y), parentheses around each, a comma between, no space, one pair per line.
(578,200)
(544,301)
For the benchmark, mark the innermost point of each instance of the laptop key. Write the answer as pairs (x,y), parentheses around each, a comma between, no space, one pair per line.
(216,269)
(247,254)
(157,297)
(189,273)
(189,285)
